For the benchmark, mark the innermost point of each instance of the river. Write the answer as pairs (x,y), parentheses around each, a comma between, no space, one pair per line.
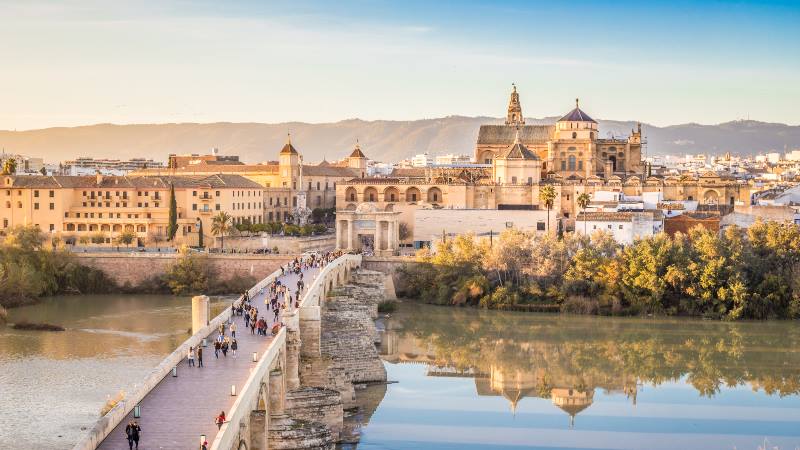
(485,379)
(53,384)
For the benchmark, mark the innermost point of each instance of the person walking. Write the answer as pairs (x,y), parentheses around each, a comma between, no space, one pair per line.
(199,357)
(217,347)
(132,432)
(233,330)
(220,419)
(225,348)
(190,357)
(234,347)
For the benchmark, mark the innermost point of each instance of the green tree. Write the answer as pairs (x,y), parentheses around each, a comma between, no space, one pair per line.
(547,195)
(583,202)
(220,226)
(189,275)
(172,226)
(9,166)
(126,238)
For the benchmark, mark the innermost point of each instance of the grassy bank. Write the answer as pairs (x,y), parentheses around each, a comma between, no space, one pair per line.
(740,274)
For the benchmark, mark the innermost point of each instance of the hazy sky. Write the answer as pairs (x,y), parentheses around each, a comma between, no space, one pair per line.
(82,62)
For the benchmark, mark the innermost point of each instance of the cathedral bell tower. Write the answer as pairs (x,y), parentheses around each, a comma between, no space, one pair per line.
(514,116)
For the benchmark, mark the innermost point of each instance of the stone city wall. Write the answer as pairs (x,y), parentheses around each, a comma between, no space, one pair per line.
(135,268)
(285,244)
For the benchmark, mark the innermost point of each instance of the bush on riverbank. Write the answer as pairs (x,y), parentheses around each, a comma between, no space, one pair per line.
(192,274)
(740,274)
(29,270)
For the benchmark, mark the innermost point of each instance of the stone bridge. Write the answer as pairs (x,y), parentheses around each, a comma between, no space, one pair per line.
(292,388)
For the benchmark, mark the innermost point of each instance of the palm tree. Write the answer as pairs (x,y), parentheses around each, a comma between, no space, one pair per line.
(547,195)
(583,202)
(220,226)
(9,166)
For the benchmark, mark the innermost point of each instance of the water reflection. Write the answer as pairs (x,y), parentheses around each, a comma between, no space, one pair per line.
(56,382)
(567,359)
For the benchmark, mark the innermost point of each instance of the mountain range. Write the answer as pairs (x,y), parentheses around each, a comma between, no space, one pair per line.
(381,140)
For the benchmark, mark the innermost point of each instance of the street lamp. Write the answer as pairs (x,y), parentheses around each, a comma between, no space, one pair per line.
(137,412)
(202,441)
(175,371)
(255,356)
(233,390)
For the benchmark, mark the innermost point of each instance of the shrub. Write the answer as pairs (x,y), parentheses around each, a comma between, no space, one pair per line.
(387,306)
(578,304)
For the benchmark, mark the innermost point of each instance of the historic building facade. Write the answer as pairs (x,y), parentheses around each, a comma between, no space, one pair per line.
(515,161)
(289,184)
(103,207)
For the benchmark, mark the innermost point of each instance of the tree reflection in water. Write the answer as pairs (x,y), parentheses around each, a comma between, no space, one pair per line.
(565,358)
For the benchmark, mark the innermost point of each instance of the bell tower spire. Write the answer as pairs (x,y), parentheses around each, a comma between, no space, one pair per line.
(514,116)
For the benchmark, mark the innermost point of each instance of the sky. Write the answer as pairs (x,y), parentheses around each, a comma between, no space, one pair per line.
(67,63)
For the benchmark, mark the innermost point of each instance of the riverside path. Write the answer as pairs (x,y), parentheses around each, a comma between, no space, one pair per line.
(180,409)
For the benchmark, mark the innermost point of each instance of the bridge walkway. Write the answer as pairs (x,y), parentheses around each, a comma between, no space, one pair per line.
(180,409)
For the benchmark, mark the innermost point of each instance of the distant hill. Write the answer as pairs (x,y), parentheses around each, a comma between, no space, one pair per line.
(380,139)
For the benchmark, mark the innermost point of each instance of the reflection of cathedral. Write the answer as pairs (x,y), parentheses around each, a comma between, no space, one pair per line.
(570,392)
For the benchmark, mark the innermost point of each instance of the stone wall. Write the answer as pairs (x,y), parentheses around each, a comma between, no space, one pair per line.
(134,268)
(388,266)
(285,244)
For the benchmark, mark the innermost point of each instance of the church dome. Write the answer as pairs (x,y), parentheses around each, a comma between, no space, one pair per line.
(577,115)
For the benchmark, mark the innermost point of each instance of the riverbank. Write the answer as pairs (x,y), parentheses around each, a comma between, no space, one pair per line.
(741,274)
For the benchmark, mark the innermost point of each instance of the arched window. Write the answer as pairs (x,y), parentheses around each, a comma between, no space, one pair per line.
(574,135)
(370,194)
(571,163)
(350,194)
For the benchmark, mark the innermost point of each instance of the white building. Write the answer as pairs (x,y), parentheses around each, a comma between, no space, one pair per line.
(452,158)
(626,227)
(421,160)
(431,224)
(773,158)
(793,155)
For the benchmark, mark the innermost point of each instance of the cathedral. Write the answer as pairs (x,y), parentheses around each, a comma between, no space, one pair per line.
(570,149)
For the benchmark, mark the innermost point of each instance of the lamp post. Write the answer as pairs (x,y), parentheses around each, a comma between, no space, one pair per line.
(175,371)
(233,390)
(255,356)
(137,412)
(202,441)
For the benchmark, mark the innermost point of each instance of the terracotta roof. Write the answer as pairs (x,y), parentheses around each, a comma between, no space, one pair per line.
(409,172)
(330,171)
(107,182)
(357,153)
(288,149)
(504,134)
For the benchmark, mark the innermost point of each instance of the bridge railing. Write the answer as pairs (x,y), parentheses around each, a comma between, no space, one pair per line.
(106,424)
(315,290)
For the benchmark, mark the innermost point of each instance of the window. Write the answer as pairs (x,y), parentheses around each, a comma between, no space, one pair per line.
(19,204)
(609,226)
(36,194)
(194,193)
(571,160)
(35,206)
(563,165)
(5,223)
(530,180)
(580,165)
(513,181)
(52,206)
(540,226)
(216,206)
(574,135)
(620,227)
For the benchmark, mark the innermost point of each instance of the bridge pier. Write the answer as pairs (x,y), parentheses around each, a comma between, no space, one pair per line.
(201,311)
(277,392)
(292,350)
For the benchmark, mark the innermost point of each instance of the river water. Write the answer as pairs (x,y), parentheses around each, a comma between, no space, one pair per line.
(53,384)
(485,379)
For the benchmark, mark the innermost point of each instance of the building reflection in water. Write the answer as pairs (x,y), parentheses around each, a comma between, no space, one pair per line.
(567,358)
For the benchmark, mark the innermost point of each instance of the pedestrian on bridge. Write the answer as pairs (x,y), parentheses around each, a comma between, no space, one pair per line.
(220,419)
(233,330)
(234,347)
(217,347)
(190,357)
(132,433)
(199,356)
